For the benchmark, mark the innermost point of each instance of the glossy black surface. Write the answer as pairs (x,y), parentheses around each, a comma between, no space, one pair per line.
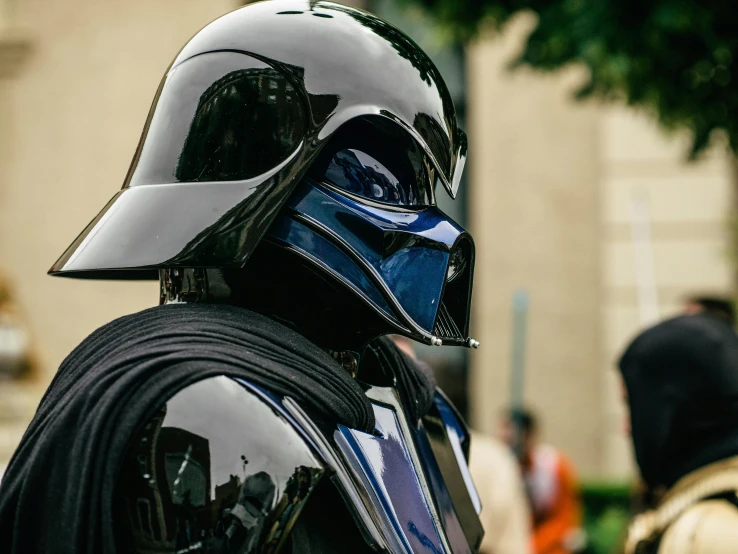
(435,431)
(244,110)
(215,470)
(450,521)
(222,116)
(396,259)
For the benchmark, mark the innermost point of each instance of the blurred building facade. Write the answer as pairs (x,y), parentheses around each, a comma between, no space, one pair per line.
(552,187)
(548,204)
(77,81)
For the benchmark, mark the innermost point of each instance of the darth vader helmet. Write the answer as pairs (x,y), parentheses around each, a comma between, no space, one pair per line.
(304,142)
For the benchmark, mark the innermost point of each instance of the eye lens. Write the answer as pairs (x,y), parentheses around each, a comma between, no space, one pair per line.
(359,173)
(366,159)
(456,264)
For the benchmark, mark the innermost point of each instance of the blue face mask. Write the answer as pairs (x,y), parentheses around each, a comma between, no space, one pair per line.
(366,215)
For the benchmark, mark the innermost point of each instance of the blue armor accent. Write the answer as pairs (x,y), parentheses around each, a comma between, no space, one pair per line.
(393,477)
(384,464)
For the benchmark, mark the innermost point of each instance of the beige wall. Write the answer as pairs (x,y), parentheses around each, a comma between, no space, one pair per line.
(69,123)
(688,206)
(534,217)
(552,183)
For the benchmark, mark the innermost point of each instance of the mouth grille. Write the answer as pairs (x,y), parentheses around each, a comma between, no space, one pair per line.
(445,326)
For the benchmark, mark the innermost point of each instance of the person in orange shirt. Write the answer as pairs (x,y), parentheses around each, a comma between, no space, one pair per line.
(551,485)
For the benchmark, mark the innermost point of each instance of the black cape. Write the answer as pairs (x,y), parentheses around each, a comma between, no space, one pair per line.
(56,494)
(682,382)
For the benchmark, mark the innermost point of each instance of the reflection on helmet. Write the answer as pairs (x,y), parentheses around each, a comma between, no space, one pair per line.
(457,263)
(184,487)
(366,216)
(221,116)
(214,149)
(357,172)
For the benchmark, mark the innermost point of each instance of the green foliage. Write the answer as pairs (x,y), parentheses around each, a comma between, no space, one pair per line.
(605,532)
(675,58)
(606,513)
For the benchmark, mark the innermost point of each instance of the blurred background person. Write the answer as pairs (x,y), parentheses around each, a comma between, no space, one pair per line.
(17,359)
(681,378)
(505,512)
(718,306)
(18,371)
(550,483)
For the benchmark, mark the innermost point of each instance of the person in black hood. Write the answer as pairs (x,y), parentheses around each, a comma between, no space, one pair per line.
(681,380)
(717,306)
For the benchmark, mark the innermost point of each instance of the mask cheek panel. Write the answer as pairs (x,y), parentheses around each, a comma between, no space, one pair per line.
(416,276)
(328,256)
(412,268)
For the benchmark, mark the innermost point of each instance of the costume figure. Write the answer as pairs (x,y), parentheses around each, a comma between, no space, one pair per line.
(682,391)
(283,193)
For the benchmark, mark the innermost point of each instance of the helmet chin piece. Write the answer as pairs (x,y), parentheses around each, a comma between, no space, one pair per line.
(413,268)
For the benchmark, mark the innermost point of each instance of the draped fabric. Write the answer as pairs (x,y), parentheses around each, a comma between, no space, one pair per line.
(56,494)
(413,378)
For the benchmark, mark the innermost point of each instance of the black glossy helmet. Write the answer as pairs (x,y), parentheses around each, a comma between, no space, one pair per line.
(252,103)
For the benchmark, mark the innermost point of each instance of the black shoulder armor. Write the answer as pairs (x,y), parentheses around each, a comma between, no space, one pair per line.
(227,467)
(214,470)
